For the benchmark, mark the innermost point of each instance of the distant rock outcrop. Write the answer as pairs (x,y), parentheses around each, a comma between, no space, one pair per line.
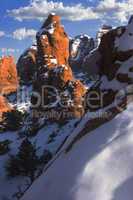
(80,47)
(8,75)
(4,106)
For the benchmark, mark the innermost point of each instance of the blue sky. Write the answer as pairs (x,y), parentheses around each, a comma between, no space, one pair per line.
(20,19)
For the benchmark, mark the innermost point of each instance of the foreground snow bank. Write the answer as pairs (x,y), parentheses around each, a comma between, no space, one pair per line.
(98,167)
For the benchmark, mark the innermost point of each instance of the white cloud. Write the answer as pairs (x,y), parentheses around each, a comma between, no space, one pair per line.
(2,33)
(23,33)
(39,9)
(106,5)
(116,10)
(106,9)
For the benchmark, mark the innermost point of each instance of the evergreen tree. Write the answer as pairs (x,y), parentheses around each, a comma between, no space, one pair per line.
(28,159)
(13,120)
(26,162)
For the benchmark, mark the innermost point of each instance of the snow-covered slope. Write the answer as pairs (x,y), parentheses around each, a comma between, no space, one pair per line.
(50,137)
(98,167)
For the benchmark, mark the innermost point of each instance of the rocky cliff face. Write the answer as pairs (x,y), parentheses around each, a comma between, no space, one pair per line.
(26,65)
(92,60)
(54,72)
(115,64)
(8,75)
(109,52)
(103,30)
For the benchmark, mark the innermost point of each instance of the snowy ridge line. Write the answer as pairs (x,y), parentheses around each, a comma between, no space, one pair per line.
(95,123)
(70,140)
(92,116)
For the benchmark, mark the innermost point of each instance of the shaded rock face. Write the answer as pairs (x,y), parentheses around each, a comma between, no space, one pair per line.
(105,29)
(103,59)
(115,48)
(54,75)
(115,66)
(109,53)
(80,47)
(8,75)
(91,63)
(94,59)
(26,65)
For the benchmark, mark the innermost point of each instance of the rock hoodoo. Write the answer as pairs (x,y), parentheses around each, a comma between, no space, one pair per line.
(53,68)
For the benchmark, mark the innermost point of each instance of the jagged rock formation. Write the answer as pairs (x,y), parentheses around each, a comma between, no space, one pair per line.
(8,75)
(26,65)
(52,66)
(80,47)
(54,72)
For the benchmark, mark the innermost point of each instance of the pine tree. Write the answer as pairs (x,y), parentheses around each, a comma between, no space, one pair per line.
(26,162)
(28,159)
(13,120)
